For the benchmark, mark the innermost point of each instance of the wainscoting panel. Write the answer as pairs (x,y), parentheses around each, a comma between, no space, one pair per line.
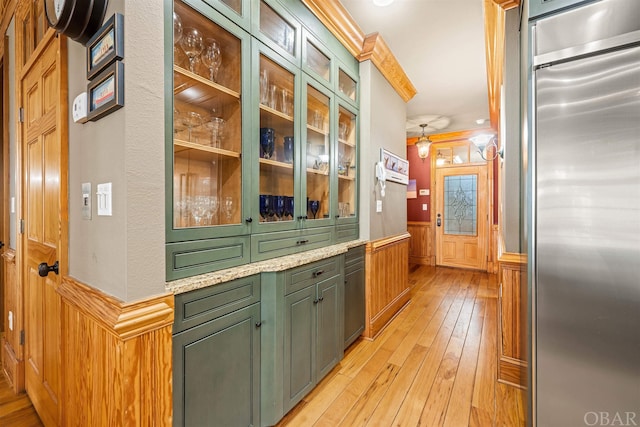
(12,355)
(387,281)
(116,358)
(421,243)
(512,336)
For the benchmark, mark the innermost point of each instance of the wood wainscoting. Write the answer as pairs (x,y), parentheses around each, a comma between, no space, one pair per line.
(117,359)
(12,349)
(387,281)
(512,325)
(421,243)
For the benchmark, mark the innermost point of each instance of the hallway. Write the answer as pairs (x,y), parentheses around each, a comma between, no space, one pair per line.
(434,365)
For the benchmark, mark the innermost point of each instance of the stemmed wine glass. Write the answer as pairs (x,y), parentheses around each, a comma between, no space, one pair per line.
(191,120)
(177,28)
(264,206)
(279,206)
(228,208)
(200,208)
(314,206)
(191,43)
(212,58)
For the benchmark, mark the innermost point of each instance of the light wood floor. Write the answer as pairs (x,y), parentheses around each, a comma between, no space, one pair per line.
(16,410)
(434,365)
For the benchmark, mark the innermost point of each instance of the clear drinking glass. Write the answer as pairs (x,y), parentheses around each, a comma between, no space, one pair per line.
(212,58)
(192,44)
(191,120)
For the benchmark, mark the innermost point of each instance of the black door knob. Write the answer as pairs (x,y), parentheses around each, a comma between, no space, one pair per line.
(1,244)
(44,269)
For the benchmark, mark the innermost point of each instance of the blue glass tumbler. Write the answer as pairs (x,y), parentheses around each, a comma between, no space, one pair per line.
(267,142)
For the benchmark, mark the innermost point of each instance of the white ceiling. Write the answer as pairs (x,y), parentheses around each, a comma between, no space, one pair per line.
(440,45)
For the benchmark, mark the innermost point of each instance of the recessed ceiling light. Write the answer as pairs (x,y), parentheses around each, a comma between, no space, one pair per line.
(382,2)
(481,121)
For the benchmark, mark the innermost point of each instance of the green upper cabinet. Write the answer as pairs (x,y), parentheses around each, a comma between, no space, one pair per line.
(239,11)
(261,134)
(276,27)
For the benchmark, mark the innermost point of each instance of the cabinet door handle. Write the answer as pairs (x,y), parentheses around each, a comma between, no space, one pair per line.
(315,301)
(302,217)
(258,323)
(302,242)
(318,273)
(248,220)
(321,298)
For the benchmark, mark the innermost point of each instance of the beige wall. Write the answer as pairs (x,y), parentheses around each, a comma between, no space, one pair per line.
(123,254)
(383,117)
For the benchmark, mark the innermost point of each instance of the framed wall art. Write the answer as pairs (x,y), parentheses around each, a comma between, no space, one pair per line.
(396,167)
(105,94)
(106,46)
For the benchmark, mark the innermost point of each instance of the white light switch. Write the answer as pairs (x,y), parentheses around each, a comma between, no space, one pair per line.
(378,205)
(104,199)
(424,207)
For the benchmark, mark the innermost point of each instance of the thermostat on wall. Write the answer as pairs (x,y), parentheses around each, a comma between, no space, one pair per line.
(80,108)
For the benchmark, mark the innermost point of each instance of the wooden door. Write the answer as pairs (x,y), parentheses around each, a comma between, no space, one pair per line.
(44,211)
(462,217)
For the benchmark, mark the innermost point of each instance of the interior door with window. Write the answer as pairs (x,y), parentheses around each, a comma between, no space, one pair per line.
(462,217)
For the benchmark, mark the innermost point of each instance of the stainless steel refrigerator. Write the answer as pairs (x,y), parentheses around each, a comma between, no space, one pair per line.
(585,251)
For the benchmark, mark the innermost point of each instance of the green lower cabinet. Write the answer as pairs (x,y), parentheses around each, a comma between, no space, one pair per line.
(216,371)
(269,245)
(302,335)
(354,304)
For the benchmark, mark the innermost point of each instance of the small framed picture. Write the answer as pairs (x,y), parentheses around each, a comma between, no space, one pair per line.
(106,46)
(105,94)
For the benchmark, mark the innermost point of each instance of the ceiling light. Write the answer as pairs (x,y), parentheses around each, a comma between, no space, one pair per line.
(481,121)
(423,144)
(382,2)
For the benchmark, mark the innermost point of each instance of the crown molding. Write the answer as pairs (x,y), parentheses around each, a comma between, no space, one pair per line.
(337,19)
(507,4)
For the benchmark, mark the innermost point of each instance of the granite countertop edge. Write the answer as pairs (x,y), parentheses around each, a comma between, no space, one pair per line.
(271,265)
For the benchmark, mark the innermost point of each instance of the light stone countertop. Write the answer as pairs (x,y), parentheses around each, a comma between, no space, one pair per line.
(274,264)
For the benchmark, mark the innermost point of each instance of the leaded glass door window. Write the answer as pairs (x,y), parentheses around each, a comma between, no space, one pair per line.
(461,205)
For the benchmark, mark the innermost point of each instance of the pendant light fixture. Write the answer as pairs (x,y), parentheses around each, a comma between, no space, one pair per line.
(423,144)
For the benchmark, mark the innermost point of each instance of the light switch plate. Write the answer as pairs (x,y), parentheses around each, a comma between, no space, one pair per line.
(378,205)
(425,207)
(104,199)
(423,192)
(86,200)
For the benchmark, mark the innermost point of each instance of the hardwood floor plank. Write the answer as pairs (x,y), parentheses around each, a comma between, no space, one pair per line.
(486,371)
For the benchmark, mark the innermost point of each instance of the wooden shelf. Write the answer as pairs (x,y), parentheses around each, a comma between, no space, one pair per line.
(317,130)
(347,177)
(345,142)
(276,113)
(317,172)
(201,152)
(186,79)
(276,164)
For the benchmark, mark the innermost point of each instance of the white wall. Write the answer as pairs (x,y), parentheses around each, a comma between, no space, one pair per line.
(383,122)
(123,254)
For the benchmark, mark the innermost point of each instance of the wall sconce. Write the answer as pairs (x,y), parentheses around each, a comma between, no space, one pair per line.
(423,144)
(484,142)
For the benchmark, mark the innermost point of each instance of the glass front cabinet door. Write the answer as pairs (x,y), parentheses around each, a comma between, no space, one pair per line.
(261,128)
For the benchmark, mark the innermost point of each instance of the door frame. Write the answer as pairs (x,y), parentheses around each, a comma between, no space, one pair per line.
(459,139)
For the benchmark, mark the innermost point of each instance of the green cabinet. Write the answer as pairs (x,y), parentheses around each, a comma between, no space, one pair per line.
(354,303)
(262,134)
(216,355)
(302,336)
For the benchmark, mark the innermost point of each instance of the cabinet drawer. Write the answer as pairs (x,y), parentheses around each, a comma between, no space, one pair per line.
(354,255)
(199,306)
(186,259)
(270,245)
(346,232)
(305,275)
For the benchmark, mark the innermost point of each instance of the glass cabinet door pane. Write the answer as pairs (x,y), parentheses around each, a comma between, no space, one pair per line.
(318,61)
(276,144)
(461,205)
(234,4)
(207,122)
(346,163)
(318,154)
(347,85)
(277,28)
